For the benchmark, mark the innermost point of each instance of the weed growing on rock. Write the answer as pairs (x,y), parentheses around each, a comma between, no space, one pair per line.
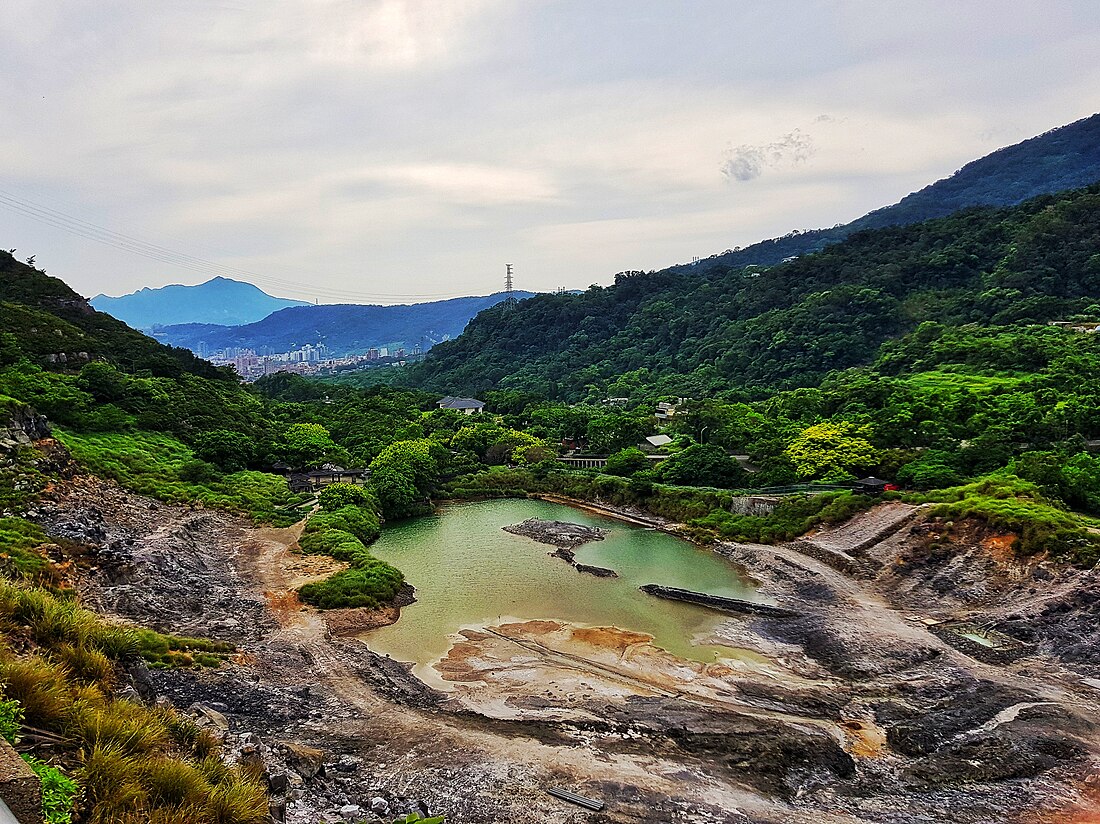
(59,792)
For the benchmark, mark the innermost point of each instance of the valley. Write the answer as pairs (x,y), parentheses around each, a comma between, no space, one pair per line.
(852,711)
(807,540)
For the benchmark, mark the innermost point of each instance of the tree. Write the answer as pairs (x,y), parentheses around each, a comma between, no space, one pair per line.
(703,465)
(396,492)
(934,469)
(832,449)
(403,474)
(309,445)
(476,438)
(335,496)
(232,451)
(612,432)
(626,462)
(103,381)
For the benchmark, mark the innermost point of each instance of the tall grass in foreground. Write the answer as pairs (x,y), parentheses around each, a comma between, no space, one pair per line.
(60,665)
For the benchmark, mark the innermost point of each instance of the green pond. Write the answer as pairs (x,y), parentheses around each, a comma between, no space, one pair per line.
(469,572)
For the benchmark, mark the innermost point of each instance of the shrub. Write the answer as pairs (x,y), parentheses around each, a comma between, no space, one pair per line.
(343,535)
(627,462)
(338,495)
(703,465)
(59,792)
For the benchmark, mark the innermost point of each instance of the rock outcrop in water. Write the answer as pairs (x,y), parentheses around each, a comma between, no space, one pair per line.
(561,534)
(566,537)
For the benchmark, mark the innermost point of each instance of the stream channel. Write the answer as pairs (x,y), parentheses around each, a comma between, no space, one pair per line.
(468,573)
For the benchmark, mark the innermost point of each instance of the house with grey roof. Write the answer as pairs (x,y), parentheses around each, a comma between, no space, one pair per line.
(467,406)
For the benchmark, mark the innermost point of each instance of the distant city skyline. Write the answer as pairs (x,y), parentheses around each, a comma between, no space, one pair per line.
(399,151)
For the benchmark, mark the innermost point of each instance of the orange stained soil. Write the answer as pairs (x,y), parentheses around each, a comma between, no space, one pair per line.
(862,739)
(610,637)
(1000,548)
(528,628)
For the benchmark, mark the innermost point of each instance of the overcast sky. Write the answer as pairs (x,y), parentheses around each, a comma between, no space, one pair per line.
(398,150)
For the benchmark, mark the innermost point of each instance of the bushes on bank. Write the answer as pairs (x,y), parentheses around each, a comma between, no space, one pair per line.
(343,534)
(793,517)
(165,468)
(1008,503)
(705,511)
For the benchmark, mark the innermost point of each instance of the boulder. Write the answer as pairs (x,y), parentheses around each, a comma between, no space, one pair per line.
(308,762)
(20,788)
(380,806)
(209,716)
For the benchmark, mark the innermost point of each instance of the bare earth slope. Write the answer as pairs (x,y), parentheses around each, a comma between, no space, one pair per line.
(855,710)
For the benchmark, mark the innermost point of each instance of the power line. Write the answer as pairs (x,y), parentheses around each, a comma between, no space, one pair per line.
(127,243)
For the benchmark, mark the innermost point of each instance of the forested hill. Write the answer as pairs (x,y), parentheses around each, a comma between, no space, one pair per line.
(1059,160)
(696,334)
(56,327)
(343,328)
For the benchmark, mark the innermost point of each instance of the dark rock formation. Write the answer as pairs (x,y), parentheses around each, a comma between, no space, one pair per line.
(599,572)
(557,533)
(20,426)
(731,605)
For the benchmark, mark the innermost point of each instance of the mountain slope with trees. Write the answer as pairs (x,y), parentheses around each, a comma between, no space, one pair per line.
(756,329)
(1061,159)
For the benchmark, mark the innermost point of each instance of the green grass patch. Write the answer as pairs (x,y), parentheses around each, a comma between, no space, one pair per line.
(1007,503)
(165,651)
(343,534)
(962,380)
(165,468)
(19,555)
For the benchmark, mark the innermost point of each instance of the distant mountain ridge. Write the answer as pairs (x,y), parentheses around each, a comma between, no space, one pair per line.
(1061,159)
(344,328)
(219,300)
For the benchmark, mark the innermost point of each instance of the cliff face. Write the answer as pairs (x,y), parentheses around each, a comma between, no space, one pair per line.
(20,426)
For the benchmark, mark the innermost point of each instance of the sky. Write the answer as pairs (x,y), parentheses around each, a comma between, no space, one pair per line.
(393,151)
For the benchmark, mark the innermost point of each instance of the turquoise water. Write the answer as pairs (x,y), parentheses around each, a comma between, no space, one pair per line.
(469,572)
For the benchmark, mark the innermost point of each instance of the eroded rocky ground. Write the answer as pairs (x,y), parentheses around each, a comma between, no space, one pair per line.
(853,710)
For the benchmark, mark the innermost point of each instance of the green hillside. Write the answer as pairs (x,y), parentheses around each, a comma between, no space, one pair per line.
(57,328)
(756,329)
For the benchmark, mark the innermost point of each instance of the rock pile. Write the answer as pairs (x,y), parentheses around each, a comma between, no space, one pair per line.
(557,533)
(306,784)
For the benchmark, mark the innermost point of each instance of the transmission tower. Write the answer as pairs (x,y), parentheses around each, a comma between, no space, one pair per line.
(510,299)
